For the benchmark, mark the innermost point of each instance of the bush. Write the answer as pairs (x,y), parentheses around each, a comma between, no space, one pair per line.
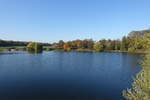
(131,50)
(34,48)
(98,47)
(141,86)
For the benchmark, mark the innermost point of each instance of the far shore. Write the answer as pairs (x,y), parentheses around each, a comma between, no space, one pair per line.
(23,48)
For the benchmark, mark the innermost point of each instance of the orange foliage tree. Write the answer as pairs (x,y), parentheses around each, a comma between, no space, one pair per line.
(66,47)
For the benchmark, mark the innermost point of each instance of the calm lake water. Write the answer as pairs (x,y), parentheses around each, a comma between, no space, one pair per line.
(66,76)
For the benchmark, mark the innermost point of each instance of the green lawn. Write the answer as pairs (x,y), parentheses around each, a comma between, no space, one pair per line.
(12,47)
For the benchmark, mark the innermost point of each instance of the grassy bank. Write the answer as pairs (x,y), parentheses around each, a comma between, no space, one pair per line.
(141,86)
(123,51)
(13,47)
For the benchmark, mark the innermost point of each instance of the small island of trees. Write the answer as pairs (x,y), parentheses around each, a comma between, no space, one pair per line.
(33,47)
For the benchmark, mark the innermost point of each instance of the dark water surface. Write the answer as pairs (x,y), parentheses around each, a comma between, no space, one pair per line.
(66,76)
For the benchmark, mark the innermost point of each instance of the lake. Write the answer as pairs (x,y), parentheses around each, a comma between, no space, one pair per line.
(66,75)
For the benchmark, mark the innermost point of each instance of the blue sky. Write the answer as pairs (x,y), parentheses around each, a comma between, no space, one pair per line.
(53,20)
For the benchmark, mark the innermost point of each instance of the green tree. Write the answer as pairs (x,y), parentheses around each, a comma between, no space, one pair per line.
(33,47)
(61,44)
(90,44)
(136,43)
(146,41)
(108,45)
(98,47)
(30,46)
(124,43)
(103,43)
(118,45)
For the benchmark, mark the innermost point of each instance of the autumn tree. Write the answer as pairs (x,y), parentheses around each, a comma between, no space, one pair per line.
(67,47)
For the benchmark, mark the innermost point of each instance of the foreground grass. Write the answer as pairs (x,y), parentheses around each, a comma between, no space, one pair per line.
(141,86)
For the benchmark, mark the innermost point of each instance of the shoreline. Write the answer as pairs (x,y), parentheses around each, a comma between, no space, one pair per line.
(23,48)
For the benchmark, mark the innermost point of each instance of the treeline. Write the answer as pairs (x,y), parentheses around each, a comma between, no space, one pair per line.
(74,45)
(131,43)
(4,43)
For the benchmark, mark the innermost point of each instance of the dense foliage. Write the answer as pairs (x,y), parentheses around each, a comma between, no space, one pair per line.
(141,86)
(34,47)
(76,44)
(131,43)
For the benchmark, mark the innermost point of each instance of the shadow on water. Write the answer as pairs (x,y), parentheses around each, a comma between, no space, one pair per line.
(66,76)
